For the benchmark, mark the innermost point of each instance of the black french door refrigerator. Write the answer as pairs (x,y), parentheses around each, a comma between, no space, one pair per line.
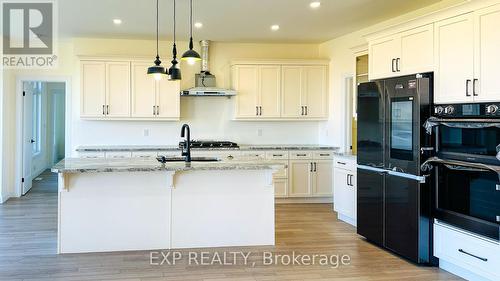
(393,207)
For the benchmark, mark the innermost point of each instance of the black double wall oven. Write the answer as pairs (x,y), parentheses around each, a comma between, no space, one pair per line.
(465,171)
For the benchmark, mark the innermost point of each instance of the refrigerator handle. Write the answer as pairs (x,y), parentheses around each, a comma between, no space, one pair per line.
(373,169)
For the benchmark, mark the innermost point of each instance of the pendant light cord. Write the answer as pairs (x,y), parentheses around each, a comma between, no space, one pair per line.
(157,28)
(174,50)
(191,18)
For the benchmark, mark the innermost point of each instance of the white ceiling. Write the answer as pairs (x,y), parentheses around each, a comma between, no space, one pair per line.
(229,20)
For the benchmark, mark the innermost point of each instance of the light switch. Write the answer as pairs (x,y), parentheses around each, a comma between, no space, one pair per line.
(259,132)
(146,132)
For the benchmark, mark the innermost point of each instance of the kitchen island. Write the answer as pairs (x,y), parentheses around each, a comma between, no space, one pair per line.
(141,204)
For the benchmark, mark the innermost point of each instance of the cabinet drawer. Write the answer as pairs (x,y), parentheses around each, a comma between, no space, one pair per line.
(279,154)
(224,155)
(323,155)
(472,253)
(344,163)
(144,154)
(91,155)
(253,154)
(118,154)
(300,155)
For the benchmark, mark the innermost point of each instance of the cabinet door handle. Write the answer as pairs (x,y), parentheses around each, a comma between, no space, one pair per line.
(103,109)
(397,65)
(341,163)
(474,93)
(315,167)
(157,110)
(256,111)
(260,110)
(107,109)
(303,155)
(278,155)
(474,256)
(392,65)
(154,110)
(306,110)
(311,167)
(467,82)
(302,111)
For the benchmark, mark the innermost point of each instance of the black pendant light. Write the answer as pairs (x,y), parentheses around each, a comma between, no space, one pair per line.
(191,56)
(174,72)
(157,70)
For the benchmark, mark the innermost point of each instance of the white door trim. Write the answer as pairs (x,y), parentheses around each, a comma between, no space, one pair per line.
(19,121)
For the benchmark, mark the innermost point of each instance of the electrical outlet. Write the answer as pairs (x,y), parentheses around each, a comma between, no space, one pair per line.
(259,132)
(146,132)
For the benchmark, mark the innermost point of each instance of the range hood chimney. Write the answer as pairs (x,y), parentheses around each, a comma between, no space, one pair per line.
(204,56)
(205,81)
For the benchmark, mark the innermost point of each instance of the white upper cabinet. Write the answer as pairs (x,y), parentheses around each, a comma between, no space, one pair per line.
(292,91)
(143,91)
(118,89)
(259,91)
(168,99)
(269,91)
(280,92)
(417,50)
(305,92)
(382,57)
(246,83)
(487,55)
(315,94)
(468,61)
(404,53)
(93,89)
(454,60)
(123,90)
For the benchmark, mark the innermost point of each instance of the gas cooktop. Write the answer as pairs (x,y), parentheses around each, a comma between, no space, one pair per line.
(211,144)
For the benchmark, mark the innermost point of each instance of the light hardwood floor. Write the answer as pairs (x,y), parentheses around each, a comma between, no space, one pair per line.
(28,231)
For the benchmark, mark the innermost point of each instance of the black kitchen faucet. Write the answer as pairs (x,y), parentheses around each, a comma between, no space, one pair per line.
(186,148)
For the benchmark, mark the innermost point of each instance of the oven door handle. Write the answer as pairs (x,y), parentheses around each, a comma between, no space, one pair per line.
(427,165)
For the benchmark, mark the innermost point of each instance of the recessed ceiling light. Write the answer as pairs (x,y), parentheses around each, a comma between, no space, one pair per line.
(275,27)
(198,25)
(315,4)
(117,21)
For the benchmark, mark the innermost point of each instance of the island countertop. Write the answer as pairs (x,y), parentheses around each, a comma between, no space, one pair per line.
(106,148)
(79,165)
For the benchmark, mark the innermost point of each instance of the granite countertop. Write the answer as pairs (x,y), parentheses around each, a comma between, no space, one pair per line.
(78,165)
(105,148)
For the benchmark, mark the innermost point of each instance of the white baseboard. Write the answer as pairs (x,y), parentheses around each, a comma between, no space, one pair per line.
(347,219)
(313,200)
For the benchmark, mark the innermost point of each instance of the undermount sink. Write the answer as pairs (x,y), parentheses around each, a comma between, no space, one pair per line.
(163,159)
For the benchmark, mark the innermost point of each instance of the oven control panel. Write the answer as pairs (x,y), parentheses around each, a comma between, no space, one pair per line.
(470,110)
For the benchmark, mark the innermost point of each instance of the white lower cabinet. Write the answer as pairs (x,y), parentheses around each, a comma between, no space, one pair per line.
(310,178)
(306,174)
(280,187)
(465,254)
(344,190)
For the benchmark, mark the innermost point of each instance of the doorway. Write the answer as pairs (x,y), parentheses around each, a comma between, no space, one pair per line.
(43,133)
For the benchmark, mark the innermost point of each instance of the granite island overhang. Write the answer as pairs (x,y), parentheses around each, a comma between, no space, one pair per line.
(140,204)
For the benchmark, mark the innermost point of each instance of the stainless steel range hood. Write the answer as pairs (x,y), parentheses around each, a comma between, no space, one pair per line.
(205,81)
